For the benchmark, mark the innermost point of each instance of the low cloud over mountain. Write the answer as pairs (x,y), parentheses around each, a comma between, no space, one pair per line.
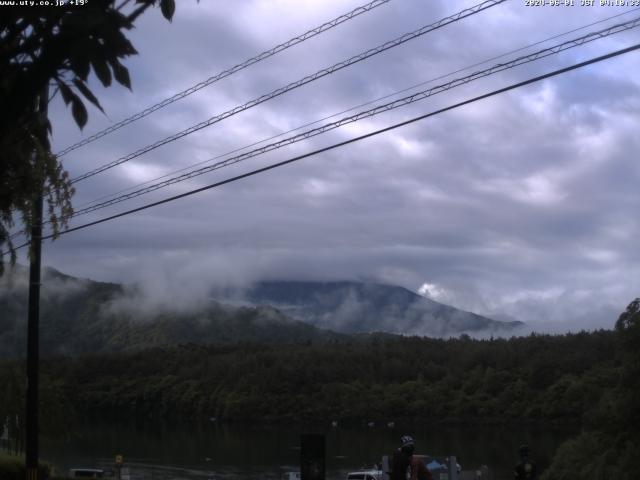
(354,307)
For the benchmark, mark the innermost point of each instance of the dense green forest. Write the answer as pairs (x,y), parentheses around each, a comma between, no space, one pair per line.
(607,448)
(521,379)
(586,378)
(537,378)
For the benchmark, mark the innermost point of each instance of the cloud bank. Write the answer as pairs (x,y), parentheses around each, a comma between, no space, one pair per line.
(524,205)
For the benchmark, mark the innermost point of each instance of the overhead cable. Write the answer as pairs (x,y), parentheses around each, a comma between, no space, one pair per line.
(371,112)
(347,142)
(117,197)
(226,73)
(303,81)
(370,102)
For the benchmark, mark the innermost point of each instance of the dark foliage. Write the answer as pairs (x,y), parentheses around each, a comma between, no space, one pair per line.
(81,316)
(60,46)
(608,447)
(13,468)
(368,378)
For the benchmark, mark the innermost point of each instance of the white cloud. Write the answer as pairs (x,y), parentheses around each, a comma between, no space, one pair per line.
(432,291)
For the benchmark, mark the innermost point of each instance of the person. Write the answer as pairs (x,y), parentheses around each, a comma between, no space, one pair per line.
(401,460)
(525,468)
(404,465)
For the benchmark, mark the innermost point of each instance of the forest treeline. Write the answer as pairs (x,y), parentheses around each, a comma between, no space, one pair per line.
(540,377)
(607,448)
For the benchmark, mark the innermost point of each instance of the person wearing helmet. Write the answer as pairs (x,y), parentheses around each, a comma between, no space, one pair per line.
(406,466)
(525,468)
(401,460)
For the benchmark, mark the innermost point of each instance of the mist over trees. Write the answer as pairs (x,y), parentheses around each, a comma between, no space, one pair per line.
(587,379)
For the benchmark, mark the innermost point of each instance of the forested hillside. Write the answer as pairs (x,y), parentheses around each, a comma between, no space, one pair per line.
(80,316)
(537,378)
(588,379)
(83,316)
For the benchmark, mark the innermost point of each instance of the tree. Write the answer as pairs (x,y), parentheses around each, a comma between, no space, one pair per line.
(609,449)
(57,46)
(628,329)
(628,324)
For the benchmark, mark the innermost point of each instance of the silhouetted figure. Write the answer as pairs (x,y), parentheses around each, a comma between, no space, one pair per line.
(401,460)
(526,468)
(406,466)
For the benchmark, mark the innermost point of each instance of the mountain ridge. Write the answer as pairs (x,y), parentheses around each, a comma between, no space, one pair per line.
(82,315)
(359,307)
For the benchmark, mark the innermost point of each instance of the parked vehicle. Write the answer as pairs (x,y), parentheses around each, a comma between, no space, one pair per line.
(291,476)
(88,473)
(365,475)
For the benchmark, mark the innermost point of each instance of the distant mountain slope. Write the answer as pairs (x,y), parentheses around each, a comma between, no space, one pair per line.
(353,307)
(80,316)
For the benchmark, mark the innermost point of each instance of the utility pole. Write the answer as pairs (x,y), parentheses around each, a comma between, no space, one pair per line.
(33,320)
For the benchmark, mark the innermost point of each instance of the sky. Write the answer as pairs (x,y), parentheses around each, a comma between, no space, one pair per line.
(520,206)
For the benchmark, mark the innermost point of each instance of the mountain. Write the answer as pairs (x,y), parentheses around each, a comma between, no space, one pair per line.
(354,307)
(84,316)
(81,315)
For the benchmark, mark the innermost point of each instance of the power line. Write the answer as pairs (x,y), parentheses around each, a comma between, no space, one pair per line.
(226,73)
(398,92)
(406,37)
(352,140)
(569,44)
(303,81)
(371,112)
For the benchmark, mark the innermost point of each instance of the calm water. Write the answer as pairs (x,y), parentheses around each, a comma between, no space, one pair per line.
(218,451)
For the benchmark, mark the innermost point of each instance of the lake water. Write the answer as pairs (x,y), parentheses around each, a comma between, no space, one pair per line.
(218,451)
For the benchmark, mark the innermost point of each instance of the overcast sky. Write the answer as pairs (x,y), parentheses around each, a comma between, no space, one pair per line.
(523,205)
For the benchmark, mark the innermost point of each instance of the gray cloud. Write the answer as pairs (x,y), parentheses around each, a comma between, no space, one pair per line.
(523,205)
